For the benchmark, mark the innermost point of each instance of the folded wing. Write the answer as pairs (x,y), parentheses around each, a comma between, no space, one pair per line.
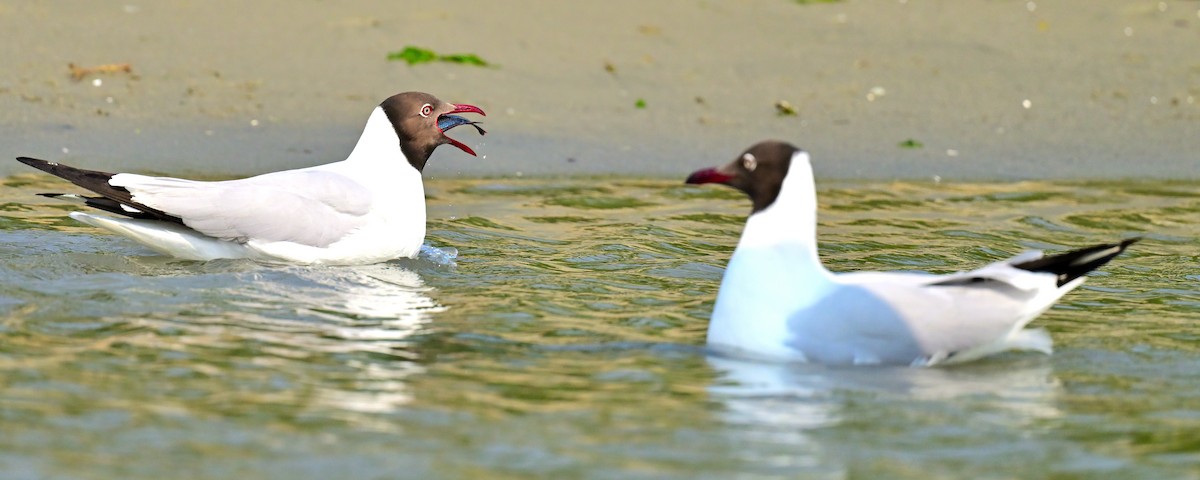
(927,319)
(309,207)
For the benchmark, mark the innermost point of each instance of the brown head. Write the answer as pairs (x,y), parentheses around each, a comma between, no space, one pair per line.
(759,172)
(421,121)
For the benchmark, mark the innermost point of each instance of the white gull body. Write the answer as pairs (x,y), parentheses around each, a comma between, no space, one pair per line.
(367,208)
(777,302)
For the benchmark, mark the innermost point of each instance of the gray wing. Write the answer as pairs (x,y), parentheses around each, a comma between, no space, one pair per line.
(308,207)
(950,319)
(899,318)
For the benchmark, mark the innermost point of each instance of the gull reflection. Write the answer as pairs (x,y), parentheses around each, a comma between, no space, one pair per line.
(374,309)
(808,396)
(788,411)
(344,333)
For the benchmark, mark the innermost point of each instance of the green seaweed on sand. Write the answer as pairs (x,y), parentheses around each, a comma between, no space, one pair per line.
(911,143)
(413,55)
(465,59)
(416,55)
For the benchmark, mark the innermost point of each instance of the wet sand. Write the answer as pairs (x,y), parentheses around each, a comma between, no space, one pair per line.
(988,89)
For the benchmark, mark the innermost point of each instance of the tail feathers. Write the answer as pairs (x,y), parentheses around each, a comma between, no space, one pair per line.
(167,238)
(66,197)
(1071,265)
(111,198)
(102,203)
(93,180)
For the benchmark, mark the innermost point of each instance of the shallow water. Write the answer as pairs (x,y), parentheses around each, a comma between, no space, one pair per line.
(566,343)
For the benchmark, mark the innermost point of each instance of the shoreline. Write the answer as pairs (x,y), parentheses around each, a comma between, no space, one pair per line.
(989,90)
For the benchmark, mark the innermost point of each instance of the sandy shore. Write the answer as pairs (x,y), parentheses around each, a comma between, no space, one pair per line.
(989,89)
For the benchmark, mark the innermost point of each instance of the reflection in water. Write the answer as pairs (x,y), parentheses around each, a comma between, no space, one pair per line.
(786,403)
(369,309)
(301,339)
(550,361)
(1028,392)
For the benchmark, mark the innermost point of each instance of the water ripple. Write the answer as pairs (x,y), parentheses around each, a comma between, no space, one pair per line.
(566,338)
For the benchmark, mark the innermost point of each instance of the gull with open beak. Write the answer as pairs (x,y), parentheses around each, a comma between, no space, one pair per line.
(367,208)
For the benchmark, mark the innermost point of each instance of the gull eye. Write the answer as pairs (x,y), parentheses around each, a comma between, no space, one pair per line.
(749,162)
(426,109)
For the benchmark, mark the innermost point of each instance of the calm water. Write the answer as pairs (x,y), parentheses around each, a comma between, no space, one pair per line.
(566,343)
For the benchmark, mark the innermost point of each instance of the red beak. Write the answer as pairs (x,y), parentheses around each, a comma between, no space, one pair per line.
(464,108)
(709,175)
(448,120)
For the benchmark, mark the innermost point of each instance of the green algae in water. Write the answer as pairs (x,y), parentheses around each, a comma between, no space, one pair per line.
(712,218)
(482,222)
(561,219)
(528,189)
(593,202)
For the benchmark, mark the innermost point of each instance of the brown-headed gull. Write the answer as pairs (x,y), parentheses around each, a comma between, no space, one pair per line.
(777,301)
(367,208)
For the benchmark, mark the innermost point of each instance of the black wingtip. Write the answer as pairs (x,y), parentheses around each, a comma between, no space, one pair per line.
(43,165)
(1074,264)
(112,199)
(33,162)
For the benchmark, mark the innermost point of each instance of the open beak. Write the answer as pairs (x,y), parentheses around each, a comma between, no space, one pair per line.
(710,175)
(448,120)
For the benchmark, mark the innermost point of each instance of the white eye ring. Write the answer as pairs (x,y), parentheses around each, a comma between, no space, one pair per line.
(749,162)
(426,109)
